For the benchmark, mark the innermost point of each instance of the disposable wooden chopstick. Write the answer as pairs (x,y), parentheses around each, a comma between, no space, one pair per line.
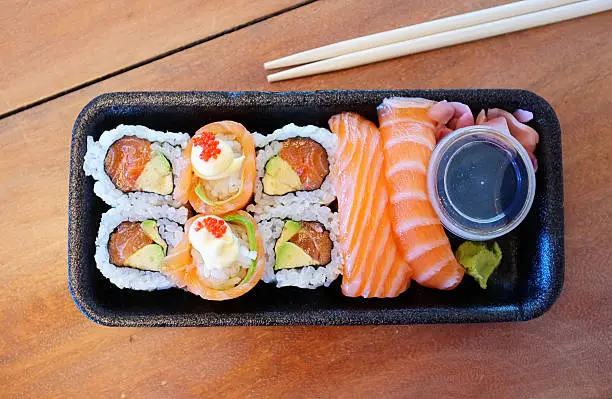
(415,31)
(446,39)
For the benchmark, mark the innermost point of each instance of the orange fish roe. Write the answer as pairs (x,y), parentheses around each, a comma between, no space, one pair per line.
(209,144)
(216,227)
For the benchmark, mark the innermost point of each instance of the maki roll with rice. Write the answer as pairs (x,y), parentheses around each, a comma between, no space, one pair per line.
(136,164)
(301,165)
(217,258)
(221,169)
(294,167)
(301,249)
(133,241)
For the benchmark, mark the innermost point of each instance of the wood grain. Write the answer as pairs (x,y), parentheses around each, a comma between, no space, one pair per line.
(48,347)
(49,47)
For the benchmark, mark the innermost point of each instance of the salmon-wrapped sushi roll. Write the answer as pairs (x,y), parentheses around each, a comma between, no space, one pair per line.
(293,167)
(135,164)
(132,242)
(218,258)
(221,172)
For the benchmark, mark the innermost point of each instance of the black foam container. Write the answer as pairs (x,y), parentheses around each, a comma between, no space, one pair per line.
(525,285)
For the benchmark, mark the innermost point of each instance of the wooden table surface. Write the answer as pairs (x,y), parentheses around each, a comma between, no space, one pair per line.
(54,59)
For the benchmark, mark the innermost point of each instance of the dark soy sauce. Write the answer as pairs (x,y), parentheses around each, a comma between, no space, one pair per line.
(485,184)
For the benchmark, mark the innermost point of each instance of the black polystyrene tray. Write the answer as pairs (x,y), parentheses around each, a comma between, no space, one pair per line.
(524,286)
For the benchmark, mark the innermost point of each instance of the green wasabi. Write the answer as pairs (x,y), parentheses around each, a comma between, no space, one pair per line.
(479,260)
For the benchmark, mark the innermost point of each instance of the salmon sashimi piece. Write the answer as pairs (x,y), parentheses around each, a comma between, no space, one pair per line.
(127,239)
(308,159)
(125,160)
(180,267)
(249,171)
(408,134)
(372,263)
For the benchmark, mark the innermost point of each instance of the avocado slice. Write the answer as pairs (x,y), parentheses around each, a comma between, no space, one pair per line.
(289,256)
(280,178)
(156,176)
(149,257)
(290,229)
(151,229)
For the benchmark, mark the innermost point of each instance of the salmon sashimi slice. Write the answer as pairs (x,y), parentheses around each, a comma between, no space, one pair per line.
(408,134)
(372,263)
(181,267)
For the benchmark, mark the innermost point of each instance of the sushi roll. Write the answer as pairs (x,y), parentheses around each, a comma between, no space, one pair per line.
(136,164)
(133,241)
(294,167)
(217,258)
(301,249)
(221,172)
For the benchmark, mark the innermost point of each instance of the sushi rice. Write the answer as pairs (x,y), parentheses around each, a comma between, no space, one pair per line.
(168,144)
(271,145)
(271,225)
(170,221)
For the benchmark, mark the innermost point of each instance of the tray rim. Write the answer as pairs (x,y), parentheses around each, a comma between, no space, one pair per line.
(530,309)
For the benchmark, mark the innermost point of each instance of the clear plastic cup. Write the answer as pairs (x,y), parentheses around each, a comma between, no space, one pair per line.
(481,182)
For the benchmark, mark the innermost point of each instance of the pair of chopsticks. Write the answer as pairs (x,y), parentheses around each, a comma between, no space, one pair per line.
(432,35)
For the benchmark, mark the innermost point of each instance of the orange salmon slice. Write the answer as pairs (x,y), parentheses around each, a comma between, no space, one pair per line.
(373,265)
(408,136)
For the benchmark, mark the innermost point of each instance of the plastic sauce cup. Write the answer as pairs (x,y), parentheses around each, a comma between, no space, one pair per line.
(481,182)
